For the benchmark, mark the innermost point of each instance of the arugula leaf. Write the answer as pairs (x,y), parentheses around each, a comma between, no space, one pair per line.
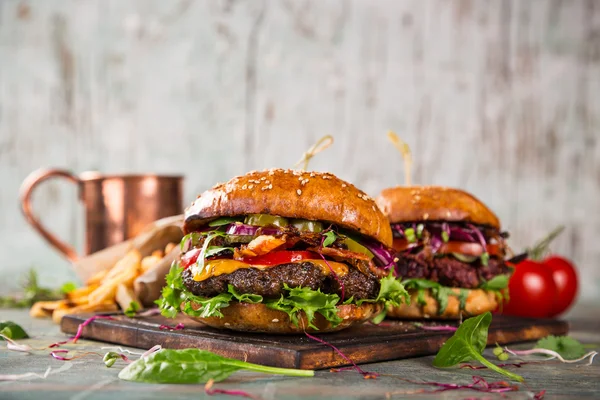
(421,297)
(133,308)
(199,266)
(307,300)
(224,221)
(467,344)
(12,330)
(190,366)
(330,237)
(214,250)
(496,283)
(566,346)
(409,234)
(194,237)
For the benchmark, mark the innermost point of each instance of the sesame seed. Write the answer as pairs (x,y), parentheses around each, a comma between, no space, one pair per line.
(244,187)
(250,187)
(267,181)
(426,216)
(264,188)
(227,324)
(373,207)
(297,173)
(262,178)
(346,317)
(271,172)
(270,186)
(275,320)
(299,192)
(312,175)
(344,185)
(448,214)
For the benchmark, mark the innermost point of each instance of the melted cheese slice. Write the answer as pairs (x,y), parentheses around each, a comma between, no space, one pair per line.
(220,267)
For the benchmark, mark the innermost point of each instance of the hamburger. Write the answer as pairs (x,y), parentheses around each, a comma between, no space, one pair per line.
(450,252)
(283,251)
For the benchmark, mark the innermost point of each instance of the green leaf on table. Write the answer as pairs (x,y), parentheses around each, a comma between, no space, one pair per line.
(191,366)
(12,330)
(566,346)
(467,344)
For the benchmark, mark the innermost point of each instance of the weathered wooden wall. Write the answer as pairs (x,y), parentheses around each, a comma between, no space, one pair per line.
(501,98)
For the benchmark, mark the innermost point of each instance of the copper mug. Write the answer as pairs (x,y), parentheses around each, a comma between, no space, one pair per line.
(117,207)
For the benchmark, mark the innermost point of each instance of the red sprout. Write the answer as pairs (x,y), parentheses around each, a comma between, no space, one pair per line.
(177,327)
(58,344)
(365,374)
(87,322)
(442,328)
(61,358)
(149,313)
(211,392)
(479,384)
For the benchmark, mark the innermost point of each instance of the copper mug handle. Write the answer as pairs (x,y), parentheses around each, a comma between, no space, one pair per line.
(34,179)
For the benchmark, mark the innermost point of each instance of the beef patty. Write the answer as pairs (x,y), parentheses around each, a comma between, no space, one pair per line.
(269,282)
(449,271)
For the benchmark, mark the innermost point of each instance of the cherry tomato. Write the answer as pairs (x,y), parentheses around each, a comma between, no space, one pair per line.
(565,279)
(532,291)
(280,257)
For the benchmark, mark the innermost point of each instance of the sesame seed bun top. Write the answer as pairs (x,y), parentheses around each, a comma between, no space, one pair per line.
(434,203)
(307,195)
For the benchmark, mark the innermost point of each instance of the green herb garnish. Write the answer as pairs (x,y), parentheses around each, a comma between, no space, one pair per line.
(445,236)
(191,366)
(467,344)
(330,237)
(566,346)
(12,330)
(133,308)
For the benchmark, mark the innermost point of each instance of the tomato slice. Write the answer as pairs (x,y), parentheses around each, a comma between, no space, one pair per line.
(466,248)
(190,258)
(280,257)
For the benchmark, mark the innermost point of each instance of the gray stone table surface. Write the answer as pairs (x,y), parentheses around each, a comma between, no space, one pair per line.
(89,378)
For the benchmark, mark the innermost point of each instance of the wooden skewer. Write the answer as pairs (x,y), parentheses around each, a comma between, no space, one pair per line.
(318,147)
(403,148)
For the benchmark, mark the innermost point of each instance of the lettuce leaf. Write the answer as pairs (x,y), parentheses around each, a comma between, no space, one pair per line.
(307,300)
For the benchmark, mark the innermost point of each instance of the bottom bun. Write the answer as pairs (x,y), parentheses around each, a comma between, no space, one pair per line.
(247,317)
(478,302)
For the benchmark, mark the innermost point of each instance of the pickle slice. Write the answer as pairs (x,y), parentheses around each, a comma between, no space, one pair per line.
(265,220)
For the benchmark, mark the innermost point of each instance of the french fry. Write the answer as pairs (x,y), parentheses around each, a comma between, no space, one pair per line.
(169,247)
(59,313)
(108,289)
(43,309)
(125,296)
(97,278)
(124,264)
(81,292)
(158,253)
(149,262)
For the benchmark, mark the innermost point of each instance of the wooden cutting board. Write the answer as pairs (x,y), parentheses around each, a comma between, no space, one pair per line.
(364,344)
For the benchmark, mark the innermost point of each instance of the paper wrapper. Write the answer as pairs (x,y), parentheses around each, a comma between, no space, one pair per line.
(148,285)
